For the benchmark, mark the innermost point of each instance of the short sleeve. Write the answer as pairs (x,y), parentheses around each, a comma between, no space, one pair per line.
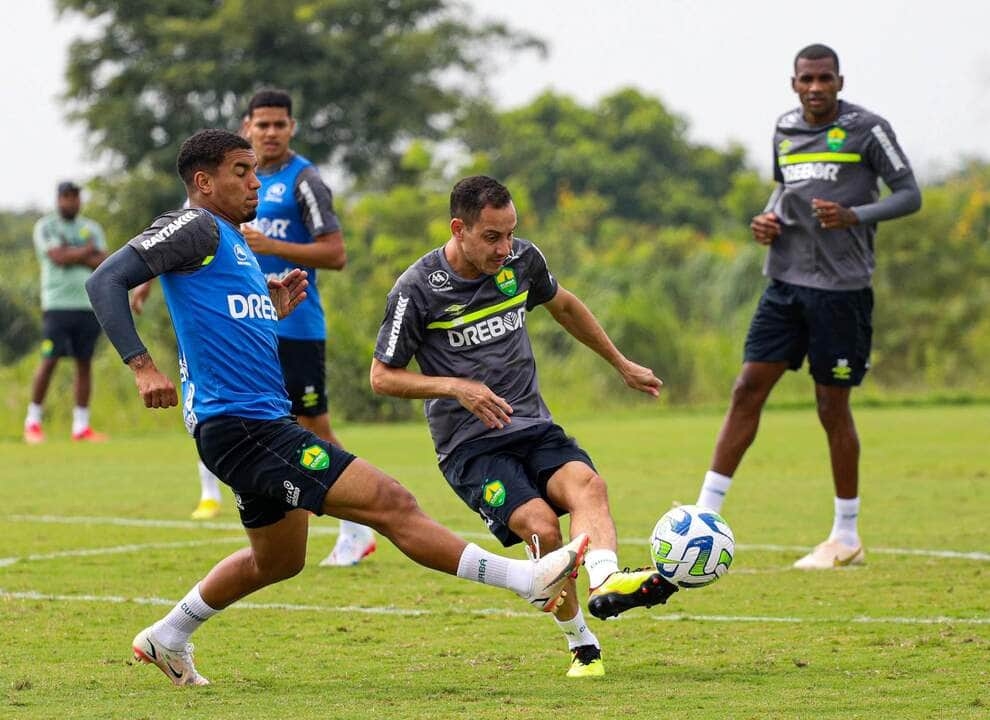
(315,203)
(542,283)
(178,241)
(884,154)
(402,329)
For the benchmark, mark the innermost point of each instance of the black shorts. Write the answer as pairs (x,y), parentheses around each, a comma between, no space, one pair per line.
(495,475)
(834,328)
(273,466)
(69,333)
(304,369)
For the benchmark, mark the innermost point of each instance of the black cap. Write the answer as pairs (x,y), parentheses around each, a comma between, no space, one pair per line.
(67,186)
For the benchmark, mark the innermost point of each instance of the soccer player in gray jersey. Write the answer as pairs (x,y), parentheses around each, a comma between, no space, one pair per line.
(460,310)
(819,226)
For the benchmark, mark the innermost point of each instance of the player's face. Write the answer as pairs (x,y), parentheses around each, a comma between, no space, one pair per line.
(235,186)
(817,84)
(269,130)
(68,205)
(487,243)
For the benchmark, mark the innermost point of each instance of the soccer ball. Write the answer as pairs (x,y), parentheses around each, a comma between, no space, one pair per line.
(692,546)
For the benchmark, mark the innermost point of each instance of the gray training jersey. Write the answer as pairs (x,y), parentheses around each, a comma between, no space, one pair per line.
(837,161)
(473,329)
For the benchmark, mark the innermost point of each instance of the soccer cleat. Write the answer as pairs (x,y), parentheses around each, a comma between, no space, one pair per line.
(586,661)
(89,435)
(832,554)
(553,570)
(206,510)
(176,664)
(626,589)
(33,434)
(350,550)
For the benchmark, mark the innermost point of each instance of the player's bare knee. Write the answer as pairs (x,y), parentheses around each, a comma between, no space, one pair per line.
(547,529)
(747,394)
(395,504)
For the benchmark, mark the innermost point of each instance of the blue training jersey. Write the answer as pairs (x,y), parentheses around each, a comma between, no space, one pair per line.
(225,323)
(295,206)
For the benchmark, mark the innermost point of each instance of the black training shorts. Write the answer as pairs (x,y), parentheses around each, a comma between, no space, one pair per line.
(495,475)
(834,328)
(304,371)
(273,466)
(69,333)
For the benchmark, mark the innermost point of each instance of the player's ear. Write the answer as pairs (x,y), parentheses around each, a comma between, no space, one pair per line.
(203,182)
(292,128)
(842,81)
(456,227)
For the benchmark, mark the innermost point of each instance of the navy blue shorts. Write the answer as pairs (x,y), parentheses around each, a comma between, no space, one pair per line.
(69,333)
(834,328)
(495,475)
(305,374)
(273,466)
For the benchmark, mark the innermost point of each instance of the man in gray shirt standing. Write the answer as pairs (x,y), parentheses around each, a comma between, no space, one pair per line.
(460,311)
(819,226)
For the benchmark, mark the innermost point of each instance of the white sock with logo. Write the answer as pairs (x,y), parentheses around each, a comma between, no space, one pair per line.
(209,484)
(844,527)
(577,632)
(713,490)
(183,620)
(80,419)
(491,569)
(600,564)
(33,414)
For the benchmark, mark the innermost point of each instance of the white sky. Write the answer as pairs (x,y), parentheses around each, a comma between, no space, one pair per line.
(723,64)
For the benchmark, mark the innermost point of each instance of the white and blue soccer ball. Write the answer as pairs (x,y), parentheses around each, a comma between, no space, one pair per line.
(692,546)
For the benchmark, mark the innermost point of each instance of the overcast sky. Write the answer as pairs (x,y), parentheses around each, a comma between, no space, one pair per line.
(724,65)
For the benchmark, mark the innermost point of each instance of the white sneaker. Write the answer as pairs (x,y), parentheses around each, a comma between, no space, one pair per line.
(176,664)
(350,549)
(551,572)
(832,554)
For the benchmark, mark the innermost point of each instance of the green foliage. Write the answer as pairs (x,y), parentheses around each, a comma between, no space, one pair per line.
(362,74)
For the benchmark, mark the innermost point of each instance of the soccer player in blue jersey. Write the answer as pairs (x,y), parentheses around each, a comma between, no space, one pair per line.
(225,314)
(295,227)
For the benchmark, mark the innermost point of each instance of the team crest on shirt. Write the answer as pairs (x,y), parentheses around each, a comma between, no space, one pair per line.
(505,281)
(275,192)
(784,146)
(835,139)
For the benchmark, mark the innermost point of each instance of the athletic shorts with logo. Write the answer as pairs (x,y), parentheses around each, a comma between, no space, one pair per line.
(495,475)
(69,333)
(273,466)
(304,370)
(832,327)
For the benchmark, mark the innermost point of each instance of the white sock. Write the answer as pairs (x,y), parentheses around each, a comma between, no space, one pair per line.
(844,526)
(600,564)
(33,414)
(209,484)
(491,569)
(713,490)
(80,419)
(577,632)
(183,620)
(355,532)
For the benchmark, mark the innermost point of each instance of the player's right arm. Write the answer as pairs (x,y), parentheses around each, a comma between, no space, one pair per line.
(399,337)
(192,236)
(766,225)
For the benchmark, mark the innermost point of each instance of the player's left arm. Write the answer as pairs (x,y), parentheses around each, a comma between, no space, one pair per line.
(315,202)
(575,317)
(885,157)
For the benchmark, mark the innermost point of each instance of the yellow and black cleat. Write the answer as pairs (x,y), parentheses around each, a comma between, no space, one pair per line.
(586,661)
(626,589)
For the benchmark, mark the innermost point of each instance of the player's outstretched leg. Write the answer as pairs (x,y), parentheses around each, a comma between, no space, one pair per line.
(366,495)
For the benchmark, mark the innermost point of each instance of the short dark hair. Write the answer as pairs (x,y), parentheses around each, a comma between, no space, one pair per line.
(205,151)
(817,52)
(473,194)
(270,97)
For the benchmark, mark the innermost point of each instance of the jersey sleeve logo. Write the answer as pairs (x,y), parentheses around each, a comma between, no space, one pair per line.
(505,281)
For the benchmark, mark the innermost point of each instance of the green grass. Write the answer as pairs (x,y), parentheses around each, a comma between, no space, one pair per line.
(766,641)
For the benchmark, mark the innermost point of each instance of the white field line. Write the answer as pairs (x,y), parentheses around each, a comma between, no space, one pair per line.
(498,612)
(117,549)
(322,529)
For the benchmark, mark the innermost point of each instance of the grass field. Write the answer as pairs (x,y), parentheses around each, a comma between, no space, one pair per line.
(96,546)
